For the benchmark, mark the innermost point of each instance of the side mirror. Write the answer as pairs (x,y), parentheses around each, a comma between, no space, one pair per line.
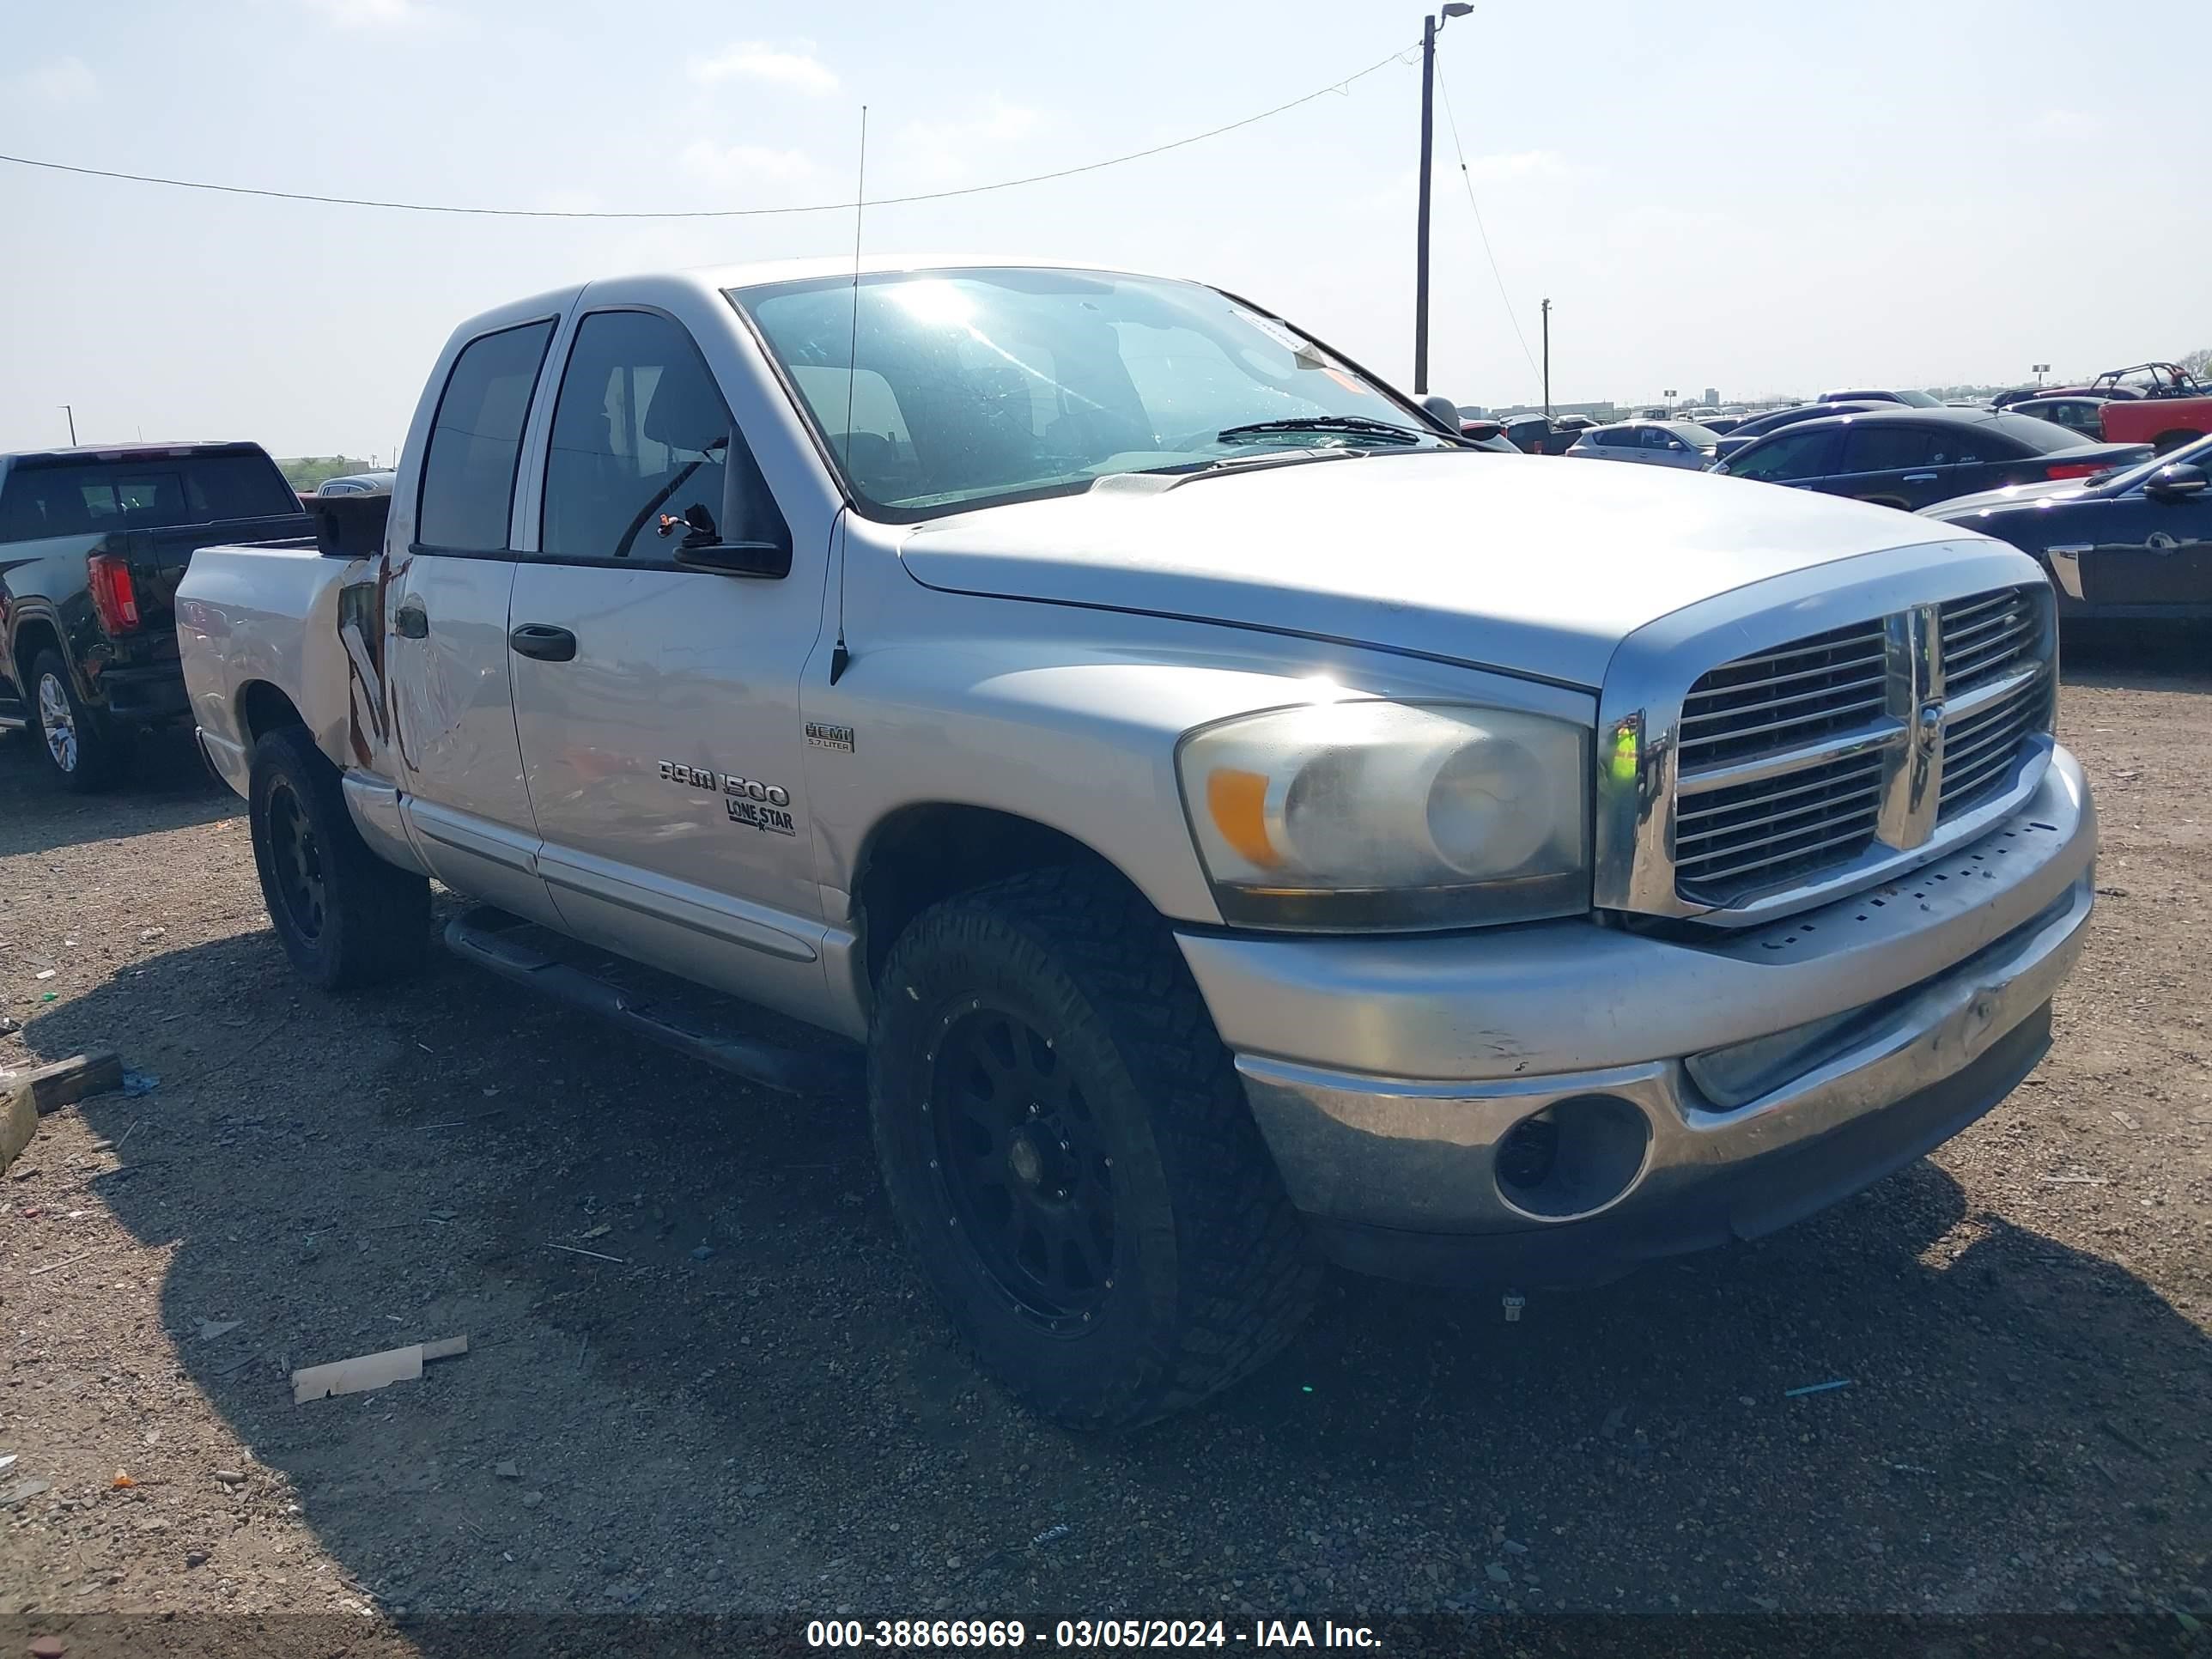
(1442,410)
(2177,481)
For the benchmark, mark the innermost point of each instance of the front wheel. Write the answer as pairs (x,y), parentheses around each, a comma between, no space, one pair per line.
(344,916)
(86,752)
(1069,1153)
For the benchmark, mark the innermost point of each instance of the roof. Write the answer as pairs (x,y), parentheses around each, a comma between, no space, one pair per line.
(876,264)
(136,447)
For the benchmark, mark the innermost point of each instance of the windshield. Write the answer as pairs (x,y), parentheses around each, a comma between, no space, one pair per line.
(972,387)
(2044,437)
(1697,437)
(1919,400)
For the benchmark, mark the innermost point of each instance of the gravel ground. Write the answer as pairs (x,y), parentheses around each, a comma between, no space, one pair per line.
(756,1408)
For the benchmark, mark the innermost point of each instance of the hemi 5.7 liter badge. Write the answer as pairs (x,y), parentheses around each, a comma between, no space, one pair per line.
(823,735)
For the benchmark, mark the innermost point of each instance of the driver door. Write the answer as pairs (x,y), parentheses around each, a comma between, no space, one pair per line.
(658,705)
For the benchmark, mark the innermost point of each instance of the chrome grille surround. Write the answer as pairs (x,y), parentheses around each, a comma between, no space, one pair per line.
(1844,737)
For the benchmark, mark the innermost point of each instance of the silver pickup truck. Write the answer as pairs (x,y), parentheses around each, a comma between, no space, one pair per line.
(1245,824)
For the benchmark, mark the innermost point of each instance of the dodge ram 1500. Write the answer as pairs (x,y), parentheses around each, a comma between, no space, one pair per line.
(1244,825)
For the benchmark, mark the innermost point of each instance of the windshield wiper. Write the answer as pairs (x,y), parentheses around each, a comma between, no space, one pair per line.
(1358,424)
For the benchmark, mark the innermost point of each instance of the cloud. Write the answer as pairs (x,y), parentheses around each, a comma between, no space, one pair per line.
(59,82)
(745,164)
(798,69)
(938,152)
(371,14)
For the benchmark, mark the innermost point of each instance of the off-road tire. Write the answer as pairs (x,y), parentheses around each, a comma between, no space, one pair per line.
(369,922)
(1212,1273)
(96,750)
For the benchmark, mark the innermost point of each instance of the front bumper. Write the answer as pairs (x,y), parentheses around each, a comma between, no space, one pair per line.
(1766,1071)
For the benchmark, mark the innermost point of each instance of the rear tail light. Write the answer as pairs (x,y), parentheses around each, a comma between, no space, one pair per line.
(2074,469)
(112,596)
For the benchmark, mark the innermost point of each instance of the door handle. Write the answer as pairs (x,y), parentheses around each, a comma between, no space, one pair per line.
(411,621)
(1919,478)
(544,641)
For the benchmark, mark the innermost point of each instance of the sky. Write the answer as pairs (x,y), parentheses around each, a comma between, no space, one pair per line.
(1764,199)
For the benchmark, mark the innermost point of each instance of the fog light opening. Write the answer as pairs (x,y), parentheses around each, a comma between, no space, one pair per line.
(1572,1159)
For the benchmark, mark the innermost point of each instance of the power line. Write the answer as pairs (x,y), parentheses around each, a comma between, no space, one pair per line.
(1338,86)
(1467,179)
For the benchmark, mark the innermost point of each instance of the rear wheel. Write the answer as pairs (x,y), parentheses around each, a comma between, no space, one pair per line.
(1069,1153)
(86,752)
(344,916)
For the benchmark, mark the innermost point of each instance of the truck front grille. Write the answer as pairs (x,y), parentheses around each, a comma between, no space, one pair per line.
(1788,763)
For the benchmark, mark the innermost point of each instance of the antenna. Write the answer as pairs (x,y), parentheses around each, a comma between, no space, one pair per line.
(840,657)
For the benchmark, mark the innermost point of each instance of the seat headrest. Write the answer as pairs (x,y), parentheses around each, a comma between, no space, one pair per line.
(686,412)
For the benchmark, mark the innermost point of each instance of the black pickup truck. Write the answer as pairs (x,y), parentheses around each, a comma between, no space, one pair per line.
(93,544)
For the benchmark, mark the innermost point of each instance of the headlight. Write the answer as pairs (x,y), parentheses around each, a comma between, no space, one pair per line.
(1338,816)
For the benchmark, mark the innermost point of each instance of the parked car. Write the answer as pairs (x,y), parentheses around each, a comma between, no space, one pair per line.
(2135,545)
(1757,426)
(2075,413)
(1487,434)
(357,483)
(1911,399)
(1655,443)
(2135,382)
(92,542)
(1913,457)
(1535,434)
(1242,822)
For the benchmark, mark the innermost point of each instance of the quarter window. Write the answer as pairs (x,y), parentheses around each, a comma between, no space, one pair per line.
(1897,448)
(476,441)
(642,434)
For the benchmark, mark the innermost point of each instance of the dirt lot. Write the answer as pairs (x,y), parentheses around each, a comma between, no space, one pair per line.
(756,1408)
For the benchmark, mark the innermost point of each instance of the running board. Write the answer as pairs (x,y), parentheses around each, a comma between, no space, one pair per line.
(529,954)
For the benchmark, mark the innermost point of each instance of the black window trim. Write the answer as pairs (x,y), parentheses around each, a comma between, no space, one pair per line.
(552,324)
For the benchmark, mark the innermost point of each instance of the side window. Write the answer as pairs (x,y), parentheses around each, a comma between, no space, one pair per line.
(1896,449)
(476,441)
(1794,455)
(640,432)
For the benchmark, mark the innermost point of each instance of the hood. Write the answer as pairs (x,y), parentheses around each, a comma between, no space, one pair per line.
(1513,563)
(1964,509)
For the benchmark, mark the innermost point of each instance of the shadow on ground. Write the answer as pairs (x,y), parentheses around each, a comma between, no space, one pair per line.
(2146,656)
(754,1407)
(168,786)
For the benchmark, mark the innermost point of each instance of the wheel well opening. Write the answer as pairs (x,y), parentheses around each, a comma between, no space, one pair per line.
(923,854)
(31,639)
(262,708)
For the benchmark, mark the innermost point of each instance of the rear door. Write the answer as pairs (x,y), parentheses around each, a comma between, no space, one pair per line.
(460,764)
(658,705)
(1898,464)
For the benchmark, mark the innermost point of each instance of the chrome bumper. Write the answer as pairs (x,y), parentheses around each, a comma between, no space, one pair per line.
(1847,1040)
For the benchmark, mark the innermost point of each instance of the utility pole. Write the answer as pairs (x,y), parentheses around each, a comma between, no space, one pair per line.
(1547,360)
(1429,25)
(71,413)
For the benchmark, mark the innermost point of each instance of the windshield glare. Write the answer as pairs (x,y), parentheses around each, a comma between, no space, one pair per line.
(2199,453)
(976,385)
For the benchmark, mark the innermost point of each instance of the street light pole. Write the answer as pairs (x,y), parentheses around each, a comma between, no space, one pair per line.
(1547,360)
(1429,25)
(71,413)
